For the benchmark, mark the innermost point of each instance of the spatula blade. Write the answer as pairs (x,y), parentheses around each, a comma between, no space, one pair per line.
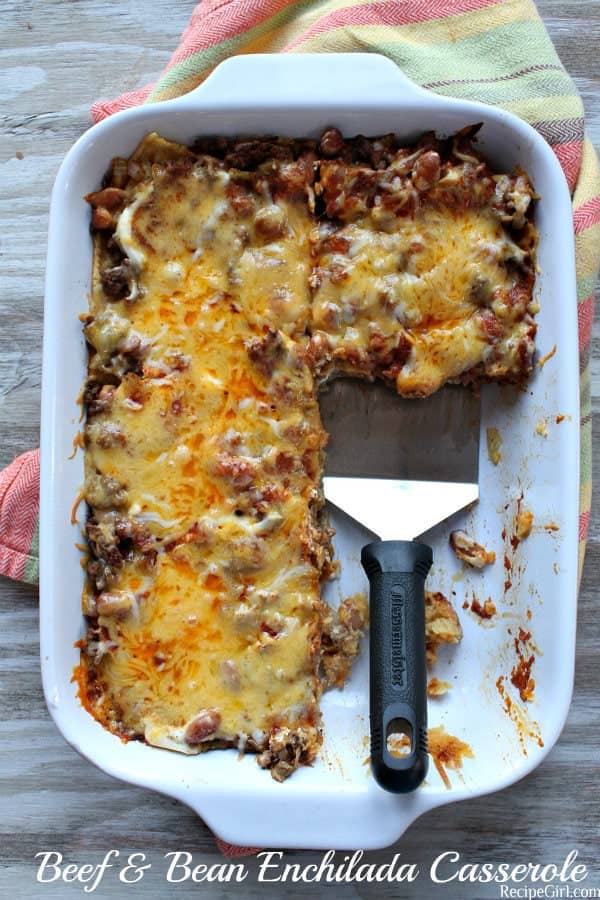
(400,466)
(395,509)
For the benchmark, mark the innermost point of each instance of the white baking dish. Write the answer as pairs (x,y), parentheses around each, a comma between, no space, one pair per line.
(336,803)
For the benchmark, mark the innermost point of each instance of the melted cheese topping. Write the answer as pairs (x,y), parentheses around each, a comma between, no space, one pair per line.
(203,465)
(218,467)
(439,284)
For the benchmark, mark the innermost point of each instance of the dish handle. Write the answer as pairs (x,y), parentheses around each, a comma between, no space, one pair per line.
(265,79)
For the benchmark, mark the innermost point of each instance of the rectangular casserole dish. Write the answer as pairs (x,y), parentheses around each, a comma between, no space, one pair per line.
(336,804)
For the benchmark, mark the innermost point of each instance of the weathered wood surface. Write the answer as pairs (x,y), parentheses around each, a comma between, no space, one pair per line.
(56,57)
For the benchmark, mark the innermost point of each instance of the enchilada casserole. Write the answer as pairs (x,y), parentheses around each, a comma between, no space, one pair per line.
(231,280)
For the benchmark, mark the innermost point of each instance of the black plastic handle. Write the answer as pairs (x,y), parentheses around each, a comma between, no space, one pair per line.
(396,571)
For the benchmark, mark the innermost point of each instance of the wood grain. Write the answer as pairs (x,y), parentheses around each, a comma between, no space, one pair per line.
(57,57)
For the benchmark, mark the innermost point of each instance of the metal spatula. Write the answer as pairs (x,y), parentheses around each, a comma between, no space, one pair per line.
(399,467)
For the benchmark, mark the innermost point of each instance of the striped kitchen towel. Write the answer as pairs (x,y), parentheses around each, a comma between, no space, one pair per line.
(496,51)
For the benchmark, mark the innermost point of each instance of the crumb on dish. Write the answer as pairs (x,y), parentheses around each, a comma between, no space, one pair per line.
(484,610)
(544,359)
(520,675)
(524,523)
(437,688)
(494,443)
(469,551)
(442,625)
(340,639)
(447,752)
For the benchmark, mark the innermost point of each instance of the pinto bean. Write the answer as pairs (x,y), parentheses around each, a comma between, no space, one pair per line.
(491,326)
(118,604)
(107,198)
(426,170)
(102,219)
(331,143)
(202,727)
(270,222)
